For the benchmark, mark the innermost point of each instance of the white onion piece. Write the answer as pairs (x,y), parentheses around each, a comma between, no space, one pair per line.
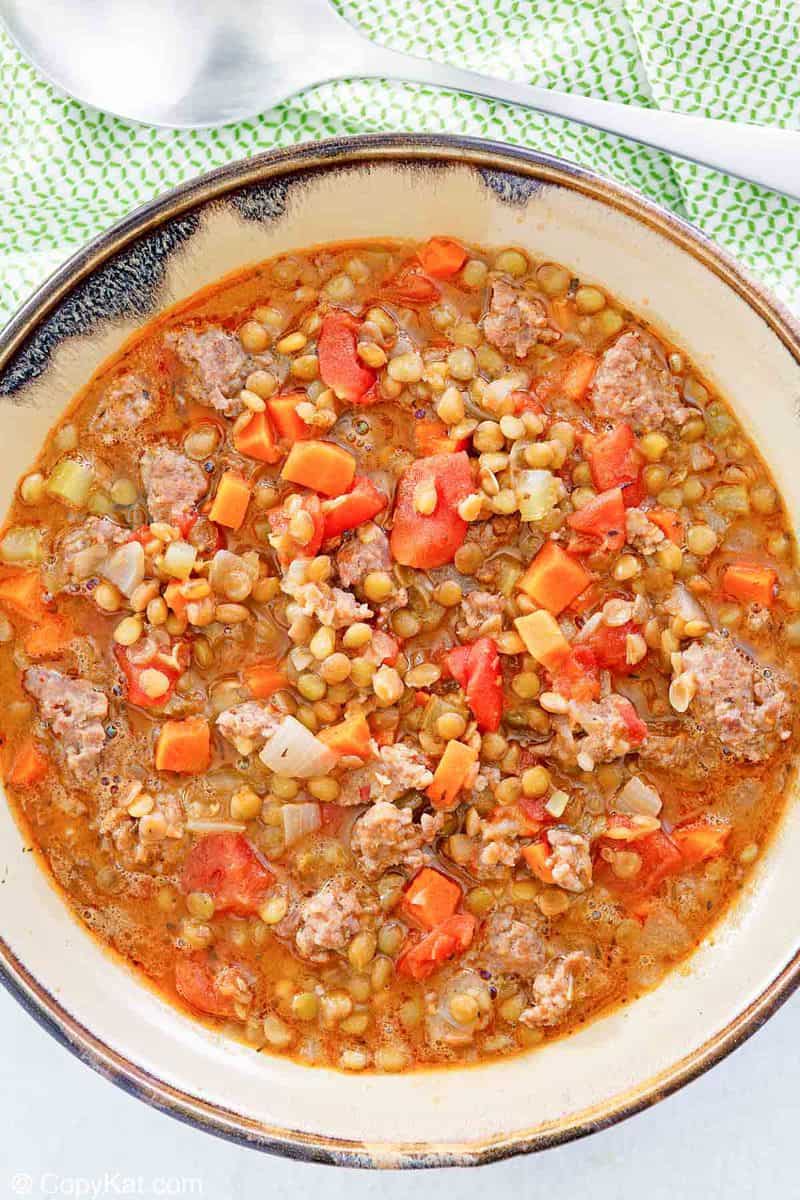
(638,797)
(125,567)
(215,827)
(294,751)
(538,492)
(299,820)
(586,631)
(681,603)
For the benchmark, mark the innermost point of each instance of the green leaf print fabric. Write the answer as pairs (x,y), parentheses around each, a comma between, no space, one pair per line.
(68,172)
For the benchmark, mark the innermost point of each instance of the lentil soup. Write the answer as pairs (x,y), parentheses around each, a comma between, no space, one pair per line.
(399,649)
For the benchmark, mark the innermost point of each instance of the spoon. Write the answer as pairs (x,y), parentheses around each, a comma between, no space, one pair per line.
(195,63)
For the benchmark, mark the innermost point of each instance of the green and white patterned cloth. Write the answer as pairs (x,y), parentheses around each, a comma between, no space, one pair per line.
(67,172)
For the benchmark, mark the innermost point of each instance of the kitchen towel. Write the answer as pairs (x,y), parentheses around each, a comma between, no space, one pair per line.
(67,172)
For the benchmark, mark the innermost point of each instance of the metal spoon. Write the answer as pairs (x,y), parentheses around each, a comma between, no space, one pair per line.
(195,63)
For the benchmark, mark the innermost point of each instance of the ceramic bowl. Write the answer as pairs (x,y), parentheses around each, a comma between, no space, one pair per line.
(662,269)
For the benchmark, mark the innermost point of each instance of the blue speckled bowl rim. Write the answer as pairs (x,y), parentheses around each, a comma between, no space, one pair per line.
(408,149)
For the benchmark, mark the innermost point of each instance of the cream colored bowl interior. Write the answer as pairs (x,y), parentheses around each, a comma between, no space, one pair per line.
(617,1061)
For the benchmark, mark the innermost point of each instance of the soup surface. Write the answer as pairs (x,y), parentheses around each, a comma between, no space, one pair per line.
(398,648)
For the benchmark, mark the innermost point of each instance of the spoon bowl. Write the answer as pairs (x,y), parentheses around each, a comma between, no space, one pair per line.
(244,56)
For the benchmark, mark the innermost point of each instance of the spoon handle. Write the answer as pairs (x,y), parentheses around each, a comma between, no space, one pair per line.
(759,153)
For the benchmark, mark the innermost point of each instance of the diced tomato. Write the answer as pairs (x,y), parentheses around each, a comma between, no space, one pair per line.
(339,365)
(430,437)
(615,461)
(427,541)
(480,676)
(411,286)
(453,936)
(535,816)
(700,840)
(635,728)
(363,502)
(577,676)
(142,535)
(457,661)
(227,867)
(431,898)
(659,856)
(279,520)
(600,524)
(195,982)
(669,522)
(332,817)
(165,663)
(609,646)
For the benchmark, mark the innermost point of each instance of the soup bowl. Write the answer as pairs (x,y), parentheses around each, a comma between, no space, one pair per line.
(749,348)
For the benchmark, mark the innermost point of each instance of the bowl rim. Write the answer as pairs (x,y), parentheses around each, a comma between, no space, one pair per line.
(310,157)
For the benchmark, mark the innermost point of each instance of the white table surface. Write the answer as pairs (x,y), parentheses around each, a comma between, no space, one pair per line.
(64,1131)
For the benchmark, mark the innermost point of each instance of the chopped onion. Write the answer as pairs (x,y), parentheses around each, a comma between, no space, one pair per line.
(299,820)
(538,492)
(681,603)
(294,751)
(638,797)
(125,567)
(215,827)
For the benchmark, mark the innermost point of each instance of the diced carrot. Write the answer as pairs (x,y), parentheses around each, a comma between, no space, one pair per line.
(442,257)
(22,592)
(536,856)
(669,522)
(184,746)
(340,367)
(321,466)
(451,774)
(431,898)
(351,736)
(264,679)
(411,286)
(451,937)
(30,765)
(257,440)
(750,583)
(48,636)
(554,578)
(578,374)
(543,638)
(700,840)
(231,501)
(283,414)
